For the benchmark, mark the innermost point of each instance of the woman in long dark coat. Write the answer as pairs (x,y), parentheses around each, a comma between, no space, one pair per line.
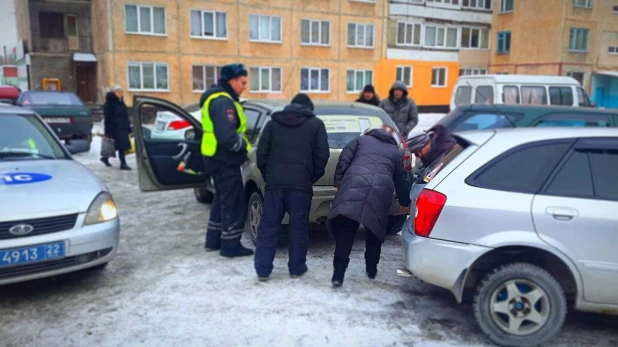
(369,169)
(117,125)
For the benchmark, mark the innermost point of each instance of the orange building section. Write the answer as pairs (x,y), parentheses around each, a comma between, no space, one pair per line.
(421,90)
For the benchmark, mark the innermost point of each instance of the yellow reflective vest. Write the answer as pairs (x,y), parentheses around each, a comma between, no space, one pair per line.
(209,140)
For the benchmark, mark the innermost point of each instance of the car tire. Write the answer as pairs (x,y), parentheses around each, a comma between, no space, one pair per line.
(252,221)
(395,224)
(203,195)
(519,304)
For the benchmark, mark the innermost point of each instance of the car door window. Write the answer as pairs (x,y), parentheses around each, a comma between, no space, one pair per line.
(582,98)
(533,95)
(253,122)
(484,95)
(604,167)
(510,95)
(573,120)
(481,121)
(574,178)
(523,169)
(463,95)
(561,96)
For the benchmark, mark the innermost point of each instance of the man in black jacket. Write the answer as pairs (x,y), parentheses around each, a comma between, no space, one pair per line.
(292,155)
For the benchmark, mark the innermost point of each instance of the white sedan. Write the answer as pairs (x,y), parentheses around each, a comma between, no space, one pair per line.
(168,126)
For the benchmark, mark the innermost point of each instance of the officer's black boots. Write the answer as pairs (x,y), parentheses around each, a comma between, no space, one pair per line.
(233,248)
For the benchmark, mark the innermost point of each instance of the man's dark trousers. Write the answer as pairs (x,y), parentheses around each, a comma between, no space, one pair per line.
(277,202)
(228,210)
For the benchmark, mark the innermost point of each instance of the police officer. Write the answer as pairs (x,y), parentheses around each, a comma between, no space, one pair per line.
(225,148)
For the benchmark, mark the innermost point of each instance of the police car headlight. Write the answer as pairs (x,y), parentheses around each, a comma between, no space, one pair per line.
(102,209)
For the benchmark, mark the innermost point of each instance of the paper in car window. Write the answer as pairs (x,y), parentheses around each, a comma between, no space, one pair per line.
(350,124)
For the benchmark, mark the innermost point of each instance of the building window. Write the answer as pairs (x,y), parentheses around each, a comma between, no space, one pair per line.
(440,37)
(315,80)
(582,3)
(148,20)
(408,34)
(477,4)
(404,74)
(265,79)
(360,35)
(506,6)
(148,76)
(368,1)
(578,76)
(264,28)
(71,21)
(314,32)
(579,40)
(205,76)
(613,50)
(504,42)
(357,79)
(447,2)
(472,72)
(615,8)
(51,24)
(474,38)
(208,24)
(438,77)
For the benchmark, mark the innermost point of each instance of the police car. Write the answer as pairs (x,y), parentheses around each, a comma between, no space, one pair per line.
(55,215)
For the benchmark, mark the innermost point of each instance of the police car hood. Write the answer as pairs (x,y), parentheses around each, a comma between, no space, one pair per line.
(29,189)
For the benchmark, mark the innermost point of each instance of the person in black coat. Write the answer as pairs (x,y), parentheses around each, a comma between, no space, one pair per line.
(369,96)
(369,169)
(117,125)
(292,155)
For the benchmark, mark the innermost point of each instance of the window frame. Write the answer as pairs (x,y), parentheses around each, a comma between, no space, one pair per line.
(364,71)
(44,34)
(480,72)
(433,69)
(314,91)
(502,49)
(573,36)
(504,3)
(443,3)
(214,14)
(587,5)
(481,30)
(356,45)
(609,50)
(66,25)
(138,19)
(204,66)
(403,67)
(412,44)
(270,74)
(446,28)
(270,18)
(477,7)
(141,71)
(534,87)
(321,22)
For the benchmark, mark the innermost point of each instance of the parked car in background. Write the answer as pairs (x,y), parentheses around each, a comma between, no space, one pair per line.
(158,169)
(482,117)
(169,126)
(8,94)
(64,112)
(519,90)
(523,220)
(56,216)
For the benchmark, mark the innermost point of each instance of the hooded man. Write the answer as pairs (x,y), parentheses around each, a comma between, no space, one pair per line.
(401,108)
(292,156)
(225,148)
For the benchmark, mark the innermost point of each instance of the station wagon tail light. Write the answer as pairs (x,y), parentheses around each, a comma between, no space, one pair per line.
(102,209)
(178,124)
(429,205)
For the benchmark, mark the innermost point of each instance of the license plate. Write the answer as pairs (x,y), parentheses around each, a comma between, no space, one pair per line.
(56,120)
(32,254)
(160,126)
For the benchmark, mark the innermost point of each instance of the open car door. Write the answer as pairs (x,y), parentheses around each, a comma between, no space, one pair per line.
(167,141)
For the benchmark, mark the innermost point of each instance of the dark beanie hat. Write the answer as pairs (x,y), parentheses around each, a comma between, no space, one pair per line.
(303,99)
(369,88)
(231,71)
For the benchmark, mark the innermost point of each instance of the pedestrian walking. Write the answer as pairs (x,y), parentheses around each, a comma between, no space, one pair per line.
(431,144)
(292,155)
(225,148)
(117,125)
(369,169)
(369,96)
(401,108)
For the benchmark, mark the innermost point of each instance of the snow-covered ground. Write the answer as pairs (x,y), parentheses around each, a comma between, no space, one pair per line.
(163,290)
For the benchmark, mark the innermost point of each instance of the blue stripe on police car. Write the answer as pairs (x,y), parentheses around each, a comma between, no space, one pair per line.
(15,178)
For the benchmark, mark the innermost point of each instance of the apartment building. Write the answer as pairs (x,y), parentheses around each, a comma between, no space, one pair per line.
(430,43)
(577,38)
(174,49)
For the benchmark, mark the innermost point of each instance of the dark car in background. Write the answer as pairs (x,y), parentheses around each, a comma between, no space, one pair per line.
(482,117)
(64,112)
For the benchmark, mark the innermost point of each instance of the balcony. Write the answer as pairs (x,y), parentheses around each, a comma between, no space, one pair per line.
(71,44)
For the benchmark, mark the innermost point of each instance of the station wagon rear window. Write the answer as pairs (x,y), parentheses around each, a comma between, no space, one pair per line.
(434,169)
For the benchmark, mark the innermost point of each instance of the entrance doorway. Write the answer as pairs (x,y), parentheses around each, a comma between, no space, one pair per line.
(85,75)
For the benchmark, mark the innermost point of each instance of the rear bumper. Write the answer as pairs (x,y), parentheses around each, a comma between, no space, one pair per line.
(79,128)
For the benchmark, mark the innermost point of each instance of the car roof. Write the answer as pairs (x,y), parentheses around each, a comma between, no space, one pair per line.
(524,108)
(278,103)
(7,109)
(535,79)
(515,136)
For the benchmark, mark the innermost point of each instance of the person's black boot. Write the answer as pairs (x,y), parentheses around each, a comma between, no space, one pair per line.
(125,167)
(372,272)
(338,275)
(233,248)
(105,161)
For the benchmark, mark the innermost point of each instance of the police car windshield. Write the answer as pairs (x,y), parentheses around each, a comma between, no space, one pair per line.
(24,137)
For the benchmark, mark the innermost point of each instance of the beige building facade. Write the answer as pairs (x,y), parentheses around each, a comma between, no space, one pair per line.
(173,49)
